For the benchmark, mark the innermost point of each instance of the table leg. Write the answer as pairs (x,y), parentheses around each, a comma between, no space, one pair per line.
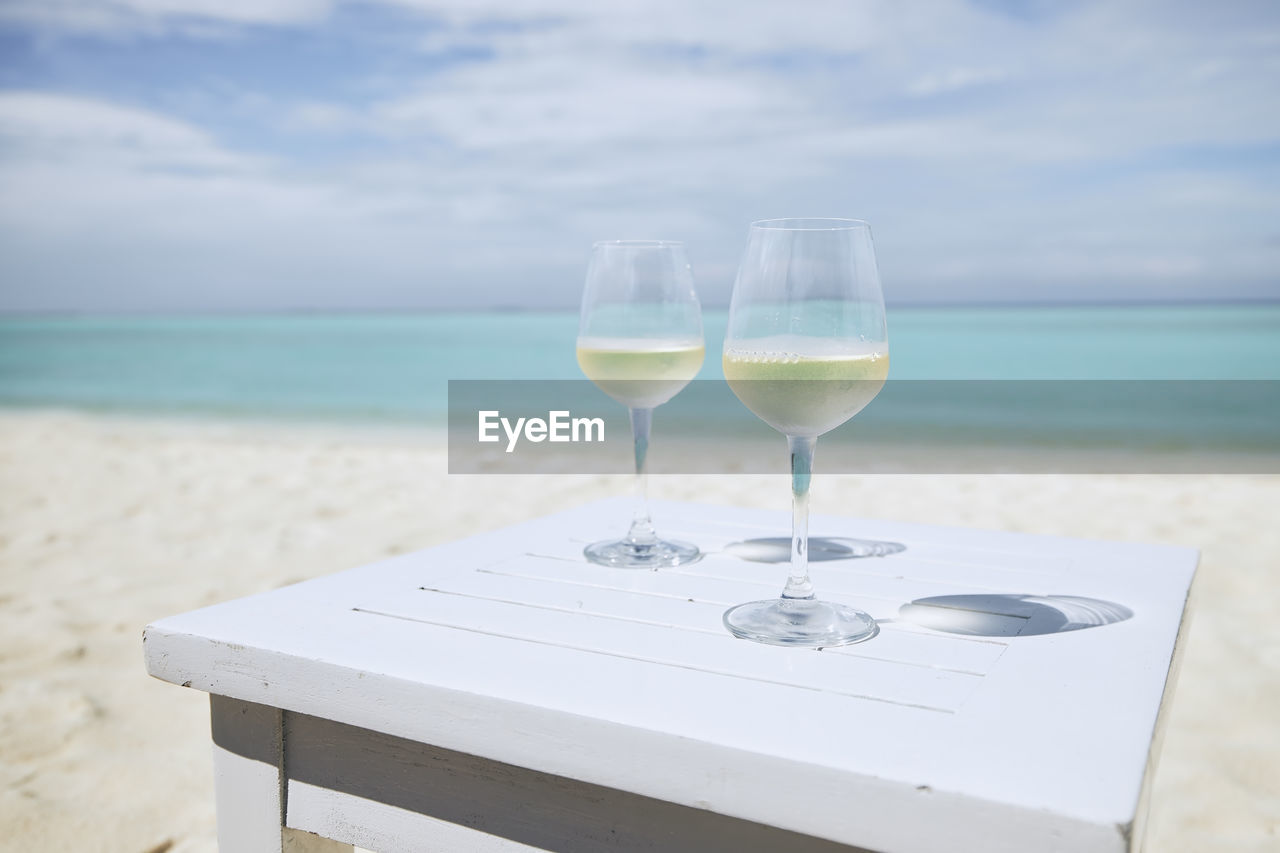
(248,763)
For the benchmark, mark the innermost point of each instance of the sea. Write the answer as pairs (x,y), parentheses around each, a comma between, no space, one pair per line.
(394,368)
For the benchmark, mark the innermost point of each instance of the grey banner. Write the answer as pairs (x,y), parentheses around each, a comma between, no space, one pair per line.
(911,427)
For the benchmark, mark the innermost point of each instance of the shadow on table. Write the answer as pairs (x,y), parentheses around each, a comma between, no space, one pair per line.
(1011,615)
(777,549)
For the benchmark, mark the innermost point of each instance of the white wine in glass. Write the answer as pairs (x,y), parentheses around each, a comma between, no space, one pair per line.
(807,349)
(640,341)
(640,373)
(805,386)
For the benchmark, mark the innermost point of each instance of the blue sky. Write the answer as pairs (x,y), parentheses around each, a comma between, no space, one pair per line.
(160,155)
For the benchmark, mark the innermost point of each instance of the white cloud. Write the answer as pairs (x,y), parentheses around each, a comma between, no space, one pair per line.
(53,127)
(955,79)
(548,100)
(152,16)
(735,26)
(995,157)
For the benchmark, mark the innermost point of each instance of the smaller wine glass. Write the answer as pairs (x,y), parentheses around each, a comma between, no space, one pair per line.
(640,341)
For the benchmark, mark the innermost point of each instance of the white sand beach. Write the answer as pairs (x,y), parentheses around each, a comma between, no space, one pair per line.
(107,524)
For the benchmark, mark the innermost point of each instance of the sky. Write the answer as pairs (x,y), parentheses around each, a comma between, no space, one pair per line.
(240,155)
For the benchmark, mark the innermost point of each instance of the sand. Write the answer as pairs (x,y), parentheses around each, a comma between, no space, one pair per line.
(107,524)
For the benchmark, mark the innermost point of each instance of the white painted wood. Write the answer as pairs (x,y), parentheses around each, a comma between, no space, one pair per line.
(372,825)
(246,775)
(248,760)
(508,646)
(394,793)
(247,794)
(1138,828)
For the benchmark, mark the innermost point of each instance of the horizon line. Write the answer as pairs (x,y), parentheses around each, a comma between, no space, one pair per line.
(911,305)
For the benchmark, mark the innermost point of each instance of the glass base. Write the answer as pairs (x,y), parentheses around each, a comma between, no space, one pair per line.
(800,622)
(621,554)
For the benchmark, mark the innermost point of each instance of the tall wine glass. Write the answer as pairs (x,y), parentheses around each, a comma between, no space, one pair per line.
(640,341)
(806,350)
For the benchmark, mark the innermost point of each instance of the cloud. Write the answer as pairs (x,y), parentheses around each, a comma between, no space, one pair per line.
(955,79)
(154,16)
(547,101)
(111,206)
(472,160)
(37,126)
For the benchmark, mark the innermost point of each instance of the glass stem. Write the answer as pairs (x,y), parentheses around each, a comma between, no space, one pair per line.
(642,532)
(801,447)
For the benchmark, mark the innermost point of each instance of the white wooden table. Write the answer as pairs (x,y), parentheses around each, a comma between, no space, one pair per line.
(499,693)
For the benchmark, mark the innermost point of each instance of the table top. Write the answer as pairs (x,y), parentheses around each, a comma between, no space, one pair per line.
(1010,700)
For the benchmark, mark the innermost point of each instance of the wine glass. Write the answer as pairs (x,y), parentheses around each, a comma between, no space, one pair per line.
(806,350)
(640,341)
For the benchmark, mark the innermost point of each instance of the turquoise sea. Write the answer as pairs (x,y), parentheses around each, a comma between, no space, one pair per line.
(394,367)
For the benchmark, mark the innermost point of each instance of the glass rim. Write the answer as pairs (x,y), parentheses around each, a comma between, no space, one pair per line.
(638,244)
(811,223)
